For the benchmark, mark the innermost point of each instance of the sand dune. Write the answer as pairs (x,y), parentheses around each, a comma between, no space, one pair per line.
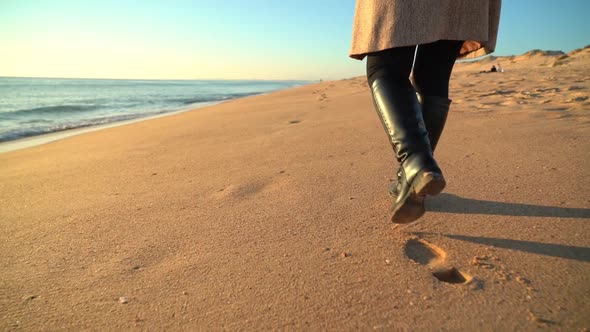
(271,212)
(528,60)
(527,82)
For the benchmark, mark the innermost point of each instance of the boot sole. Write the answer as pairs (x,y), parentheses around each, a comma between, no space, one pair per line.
(412,208)
(430,184)
(427,186)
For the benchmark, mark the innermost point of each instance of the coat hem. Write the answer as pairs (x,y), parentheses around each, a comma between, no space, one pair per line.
(482,50)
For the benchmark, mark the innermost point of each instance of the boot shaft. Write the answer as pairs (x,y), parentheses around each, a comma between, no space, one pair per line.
(401,116)
(434,112)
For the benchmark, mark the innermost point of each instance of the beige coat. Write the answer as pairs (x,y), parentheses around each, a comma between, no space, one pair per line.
(383,24)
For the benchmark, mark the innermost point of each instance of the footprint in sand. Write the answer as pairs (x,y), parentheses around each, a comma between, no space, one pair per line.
(576,98)
(322,97)
(498,92)
(548,90)
(252,188)
(425,253)
(482,106)
(224,192)
(241,191)
(575,87)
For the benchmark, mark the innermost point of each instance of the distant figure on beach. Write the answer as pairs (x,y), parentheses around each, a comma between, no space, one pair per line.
(494,69)
(414,110)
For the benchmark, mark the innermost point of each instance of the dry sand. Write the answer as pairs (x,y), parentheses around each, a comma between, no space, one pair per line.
(271,212)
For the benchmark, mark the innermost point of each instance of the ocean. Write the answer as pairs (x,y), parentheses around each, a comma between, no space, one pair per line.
(36,106)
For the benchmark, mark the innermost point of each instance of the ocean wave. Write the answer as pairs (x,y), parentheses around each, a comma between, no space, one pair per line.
(71,108)
(28,132)
(55,110)
(48,129)
(38,106)
(212,98)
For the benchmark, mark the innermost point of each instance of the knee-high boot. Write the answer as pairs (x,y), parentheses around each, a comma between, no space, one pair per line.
(434,112)
(401,116)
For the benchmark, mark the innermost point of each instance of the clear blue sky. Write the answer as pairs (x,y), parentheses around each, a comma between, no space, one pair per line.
(261,39)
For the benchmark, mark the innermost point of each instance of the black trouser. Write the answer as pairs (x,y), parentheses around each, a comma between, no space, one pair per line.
(432,68)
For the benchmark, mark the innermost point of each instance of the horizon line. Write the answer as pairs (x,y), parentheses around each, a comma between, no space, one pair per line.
(159,79)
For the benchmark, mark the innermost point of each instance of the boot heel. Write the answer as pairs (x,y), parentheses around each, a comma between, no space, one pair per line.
(429,183)
(411,209)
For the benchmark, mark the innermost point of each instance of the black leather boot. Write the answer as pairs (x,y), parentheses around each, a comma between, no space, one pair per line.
(434,112)
(399,110)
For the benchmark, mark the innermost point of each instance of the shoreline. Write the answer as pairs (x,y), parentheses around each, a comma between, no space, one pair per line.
(44,138)
(31,141)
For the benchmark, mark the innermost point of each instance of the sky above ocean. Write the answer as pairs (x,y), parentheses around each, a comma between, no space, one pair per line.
(231,39)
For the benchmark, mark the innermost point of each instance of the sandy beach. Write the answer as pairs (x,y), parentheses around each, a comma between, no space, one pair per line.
(272,212)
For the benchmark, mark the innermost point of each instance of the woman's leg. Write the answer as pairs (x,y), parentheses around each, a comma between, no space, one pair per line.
(394,64)
(431,74)
(433,67)
(398,108)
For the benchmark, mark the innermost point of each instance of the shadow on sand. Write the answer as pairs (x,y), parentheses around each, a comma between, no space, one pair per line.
(450,203)
(581,254)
